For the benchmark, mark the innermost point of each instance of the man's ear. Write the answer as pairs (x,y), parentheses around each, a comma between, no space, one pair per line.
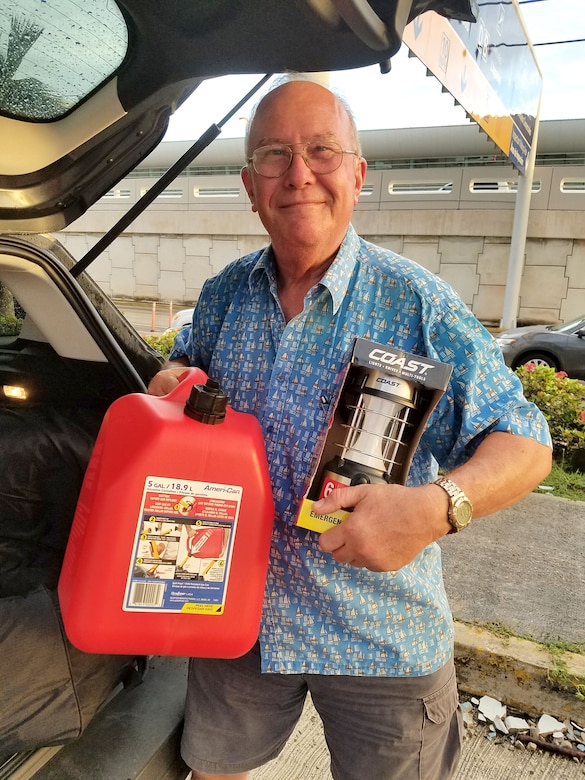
(248,184)
(360,177)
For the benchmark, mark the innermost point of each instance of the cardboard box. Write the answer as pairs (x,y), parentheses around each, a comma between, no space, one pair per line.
(377,419)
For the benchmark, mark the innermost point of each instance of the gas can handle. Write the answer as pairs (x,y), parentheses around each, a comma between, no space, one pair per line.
(189,377)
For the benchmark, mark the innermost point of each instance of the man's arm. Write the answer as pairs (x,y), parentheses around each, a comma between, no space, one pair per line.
(391,524)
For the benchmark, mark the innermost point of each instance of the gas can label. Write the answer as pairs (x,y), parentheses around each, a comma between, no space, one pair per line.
(183,547)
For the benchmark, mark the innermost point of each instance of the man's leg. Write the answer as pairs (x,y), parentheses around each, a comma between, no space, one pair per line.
(390,728)
(237,718)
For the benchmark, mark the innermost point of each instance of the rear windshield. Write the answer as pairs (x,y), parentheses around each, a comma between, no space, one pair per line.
(53,54)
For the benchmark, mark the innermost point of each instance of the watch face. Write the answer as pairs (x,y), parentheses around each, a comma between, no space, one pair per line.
(463,513)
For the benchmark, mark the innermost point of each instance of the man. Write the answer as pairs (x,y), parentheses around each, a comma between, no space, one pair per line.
(358,616)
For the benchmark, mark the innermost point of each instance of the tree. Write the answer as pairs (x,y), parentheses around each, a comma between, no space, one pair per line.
(27,97)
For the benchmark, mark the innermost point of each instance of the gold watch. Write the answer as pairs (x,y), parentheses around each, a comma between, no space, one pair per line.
(460,507)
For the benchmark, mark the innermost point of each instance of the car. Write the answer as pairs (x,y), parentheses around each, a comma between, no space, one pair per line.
(180,320)
(561,347)
(86,92)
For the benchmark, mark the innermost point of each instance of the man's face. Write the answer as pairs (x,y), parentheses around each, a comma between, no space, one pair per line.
(302,208)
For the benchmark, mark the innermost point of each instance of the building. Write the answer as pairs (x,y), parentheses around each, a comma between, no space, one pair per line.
(442,196)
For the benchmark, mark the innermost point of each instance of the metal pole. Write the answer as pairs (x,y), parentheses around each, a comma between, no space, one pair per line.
(518,241)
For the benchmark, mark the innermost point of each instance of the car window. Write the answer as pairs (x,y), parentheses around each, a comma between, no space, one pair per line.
(568,327)
(42,41)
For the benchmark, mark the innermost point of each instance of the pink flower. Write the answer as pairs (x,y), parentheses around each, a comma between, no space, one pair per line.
(529,366)
(562,374)
(582,416)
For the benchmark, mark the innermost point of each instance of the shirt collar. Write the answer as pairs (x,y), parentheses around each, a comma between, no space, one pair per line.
(264,268)
(336,278)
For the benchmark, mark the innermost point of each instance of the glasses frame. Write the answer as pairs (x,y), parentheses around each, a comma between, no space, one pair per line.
(339,152)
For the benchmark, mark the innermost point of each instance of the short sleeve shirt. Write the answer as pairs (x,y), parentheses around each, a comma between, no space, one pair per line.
(320,616)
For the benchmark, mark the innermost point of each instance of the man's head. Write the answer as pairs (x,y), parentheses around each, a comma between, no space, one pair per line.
(304,170)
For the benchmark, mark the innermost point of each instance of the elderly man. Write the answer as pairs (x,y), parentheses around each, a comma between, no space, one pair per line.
(357,616)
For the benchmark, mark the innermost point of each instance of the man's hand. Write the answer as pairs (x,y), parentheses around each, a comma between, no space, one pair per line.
(388,527)
(167,378)
(391,524)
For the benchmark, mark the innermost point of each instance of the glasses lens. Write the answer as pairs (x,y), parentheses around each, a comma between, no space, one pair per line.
(323,156)
(271,161)
(320,156)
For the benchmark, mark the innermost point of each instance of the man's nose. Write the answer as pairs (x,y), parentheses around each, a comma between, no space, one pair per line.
(298,166)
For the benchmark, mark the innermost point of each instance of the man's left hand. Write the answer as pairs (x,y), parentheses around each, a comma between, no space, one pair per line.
(389,525)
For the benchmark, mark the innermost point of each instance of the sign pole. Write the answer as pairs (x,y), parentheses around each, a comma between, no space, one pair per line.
(518,239)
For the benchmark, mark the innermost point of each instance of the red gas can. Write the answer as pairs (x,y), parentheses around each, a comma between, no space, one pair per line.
(169,546)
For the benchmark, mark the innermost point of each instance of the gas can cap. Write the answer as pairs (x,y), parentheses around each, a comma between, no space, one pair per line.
(207,403)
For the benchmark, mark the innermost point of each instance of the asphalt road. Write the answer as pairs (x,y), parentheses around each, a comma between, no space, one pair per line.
(149,317)
(523,567)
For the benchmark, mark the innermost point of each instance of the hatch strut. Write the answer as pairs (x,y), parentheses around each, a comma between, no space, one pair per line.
(161,184)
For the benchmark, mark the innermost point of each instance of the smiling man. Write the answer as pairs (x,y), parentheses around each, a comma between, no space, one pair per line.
(358,616)
(305,212)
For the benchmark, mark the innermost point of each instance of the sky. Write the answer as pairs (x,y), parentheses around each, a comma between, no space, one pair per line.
(406,97)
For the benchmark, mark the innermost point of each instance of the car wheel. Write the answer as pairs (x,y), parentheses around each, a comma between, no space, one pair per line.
(538,359)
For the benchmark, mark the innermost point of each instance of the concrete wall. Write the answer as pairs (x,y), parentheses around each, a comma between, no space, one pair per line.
(168,252)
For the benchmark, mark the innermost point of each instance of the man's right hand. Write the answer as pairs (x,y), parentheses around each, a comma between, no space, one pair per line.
(167,378)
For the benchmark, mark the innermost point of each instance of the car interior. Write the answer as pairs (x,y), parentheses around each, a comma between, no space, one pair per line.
(86,92)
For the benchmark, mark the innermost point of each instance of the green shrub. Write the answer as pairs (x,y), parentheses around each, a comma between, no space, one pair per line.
(562,401)
(162,342)
(9,325)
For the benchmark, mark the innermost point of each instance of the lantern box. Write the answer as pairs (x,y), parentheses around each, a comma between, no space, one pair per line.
(385,399)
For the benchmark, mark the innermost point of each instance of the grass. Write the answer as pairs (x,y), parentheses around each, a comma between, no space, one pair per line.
(565,484)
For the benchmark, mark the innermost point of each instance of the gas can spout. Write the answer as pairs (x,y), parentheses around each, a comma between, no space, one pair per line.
(207,403)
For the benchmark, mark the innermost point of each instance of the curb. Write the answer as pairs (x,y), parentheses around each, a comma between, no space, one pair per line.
(520,673)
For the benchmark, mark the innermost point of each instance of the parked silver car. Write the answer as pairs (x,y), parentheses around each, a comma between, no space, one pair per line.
(180,320)
(561,347)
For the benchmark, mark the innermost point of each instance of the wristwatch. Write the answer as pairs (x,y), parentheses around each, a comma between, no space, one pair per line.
(460,507)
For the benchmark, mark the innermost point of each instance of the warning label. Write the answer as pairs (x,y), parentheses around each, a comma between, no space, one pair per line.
(183,547)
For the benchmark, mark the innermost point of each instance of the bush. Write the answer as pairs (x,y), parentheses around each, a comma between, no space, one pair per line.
(162,342)
(562,401)
(9,325)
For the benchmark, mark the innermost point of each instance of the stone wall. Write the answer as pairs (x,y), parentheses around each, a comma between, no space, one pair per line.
(169,251)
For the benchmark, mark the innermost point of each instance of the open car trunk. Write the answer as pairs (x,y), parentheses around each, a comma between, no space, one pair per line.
(72,356)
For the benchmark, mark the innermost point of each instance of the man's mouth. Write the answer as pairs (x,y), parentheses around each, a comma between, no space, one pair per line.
(300,204)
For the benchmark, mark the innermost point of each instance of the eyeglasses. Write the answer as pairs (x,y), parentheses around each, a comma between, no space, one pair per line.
(274,160)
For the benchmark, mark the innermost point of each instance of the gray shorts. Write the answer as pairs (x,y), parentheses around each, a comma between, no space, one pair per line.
(380,728)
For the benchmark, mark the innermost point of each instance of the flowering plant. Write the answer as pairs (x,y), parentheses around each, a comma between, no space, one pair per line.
(562,402)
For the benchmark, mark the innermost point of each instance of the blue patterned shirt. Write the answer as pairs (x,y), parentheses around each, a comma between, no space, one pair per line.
(320,616)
